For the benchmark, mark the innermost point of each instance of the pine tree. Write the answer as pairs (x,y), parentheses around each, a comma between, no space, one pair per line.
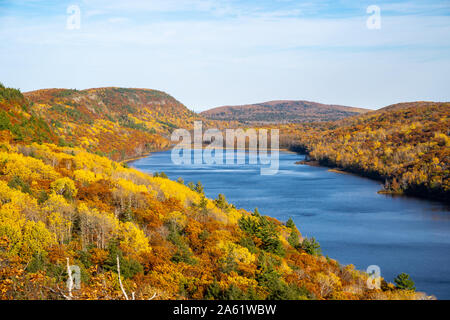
(404,282)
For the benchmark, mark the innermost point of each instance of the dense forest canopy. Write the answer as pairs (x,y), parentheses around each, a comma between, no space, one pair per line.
(406,146)
(62,201)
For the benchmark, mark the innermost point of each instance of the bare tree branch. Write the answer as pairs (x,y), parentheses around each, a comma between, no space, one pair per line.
(70,281)
(120,280)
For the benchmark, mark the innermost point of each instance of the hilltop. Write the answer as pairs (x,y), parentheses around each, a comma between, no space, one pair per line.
(282,112)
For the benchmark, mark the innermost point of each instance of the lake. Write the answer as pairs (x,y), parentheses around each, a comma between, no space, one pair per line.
(353,223)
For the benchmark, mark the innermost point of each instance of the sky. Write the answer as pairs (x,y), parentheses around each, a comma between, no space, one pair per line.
(209,53)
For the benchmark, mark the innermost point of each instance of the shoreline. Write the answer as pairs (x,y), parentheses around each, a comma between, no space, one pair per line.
(127,161)
(314,163)
(336,170)
(145,155)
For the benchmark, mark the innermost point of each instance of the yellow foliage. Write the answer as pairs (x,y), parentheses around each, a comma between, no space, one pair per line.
(94,163)
(241,282)
(131,187)
(36,237)
(22,200)
(26,168)
(237,252)
(177,217)
(87,176)
(59,216)
(11,223)
(133,239)
(172,189)
(25,237)
(328,282)
(64,186)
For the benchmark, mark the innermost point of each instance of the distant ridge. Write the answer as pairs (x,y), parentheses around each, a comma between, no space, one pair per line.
(407,105)
(282,111)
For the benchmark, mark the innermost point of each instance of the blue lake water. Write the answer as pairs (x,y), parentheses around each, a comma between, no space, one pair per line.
(353,223)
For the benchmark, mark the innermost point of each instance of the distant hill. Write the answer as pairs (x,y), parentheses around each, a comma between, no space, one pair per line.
(409,105)
(406,146)
(120,123)
(282,112)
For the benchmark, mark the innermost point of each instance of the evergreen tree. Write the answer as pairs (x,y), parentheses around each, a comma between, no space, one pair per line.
(311,246)
(290,223)
(199,188)
(404,282)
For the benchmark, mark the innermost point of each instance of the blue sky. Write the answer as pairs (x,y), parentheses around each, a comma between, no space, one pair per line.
(208,53)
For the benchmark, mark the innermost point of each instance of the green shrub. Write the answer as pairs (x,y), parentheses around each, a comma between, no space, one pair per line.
(311,246)
(265,230)
(290,224)
(36,264)
(17,183)
(199,188)
(160,175)
(183,253)
(5,123)
(294,239)
(404,282)
(270,279)
(128,267)
(221,202)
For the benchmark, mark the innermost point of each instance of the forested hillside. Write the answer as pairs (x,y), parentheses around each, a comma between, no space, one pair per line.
(117,122)
(407,146)
(282,112)
(120,123)
(137,236)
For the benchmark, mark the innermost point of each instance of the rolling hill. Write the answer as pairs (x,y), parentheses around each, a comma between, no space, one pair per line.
(406,146)
(282,112)
(116,122)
